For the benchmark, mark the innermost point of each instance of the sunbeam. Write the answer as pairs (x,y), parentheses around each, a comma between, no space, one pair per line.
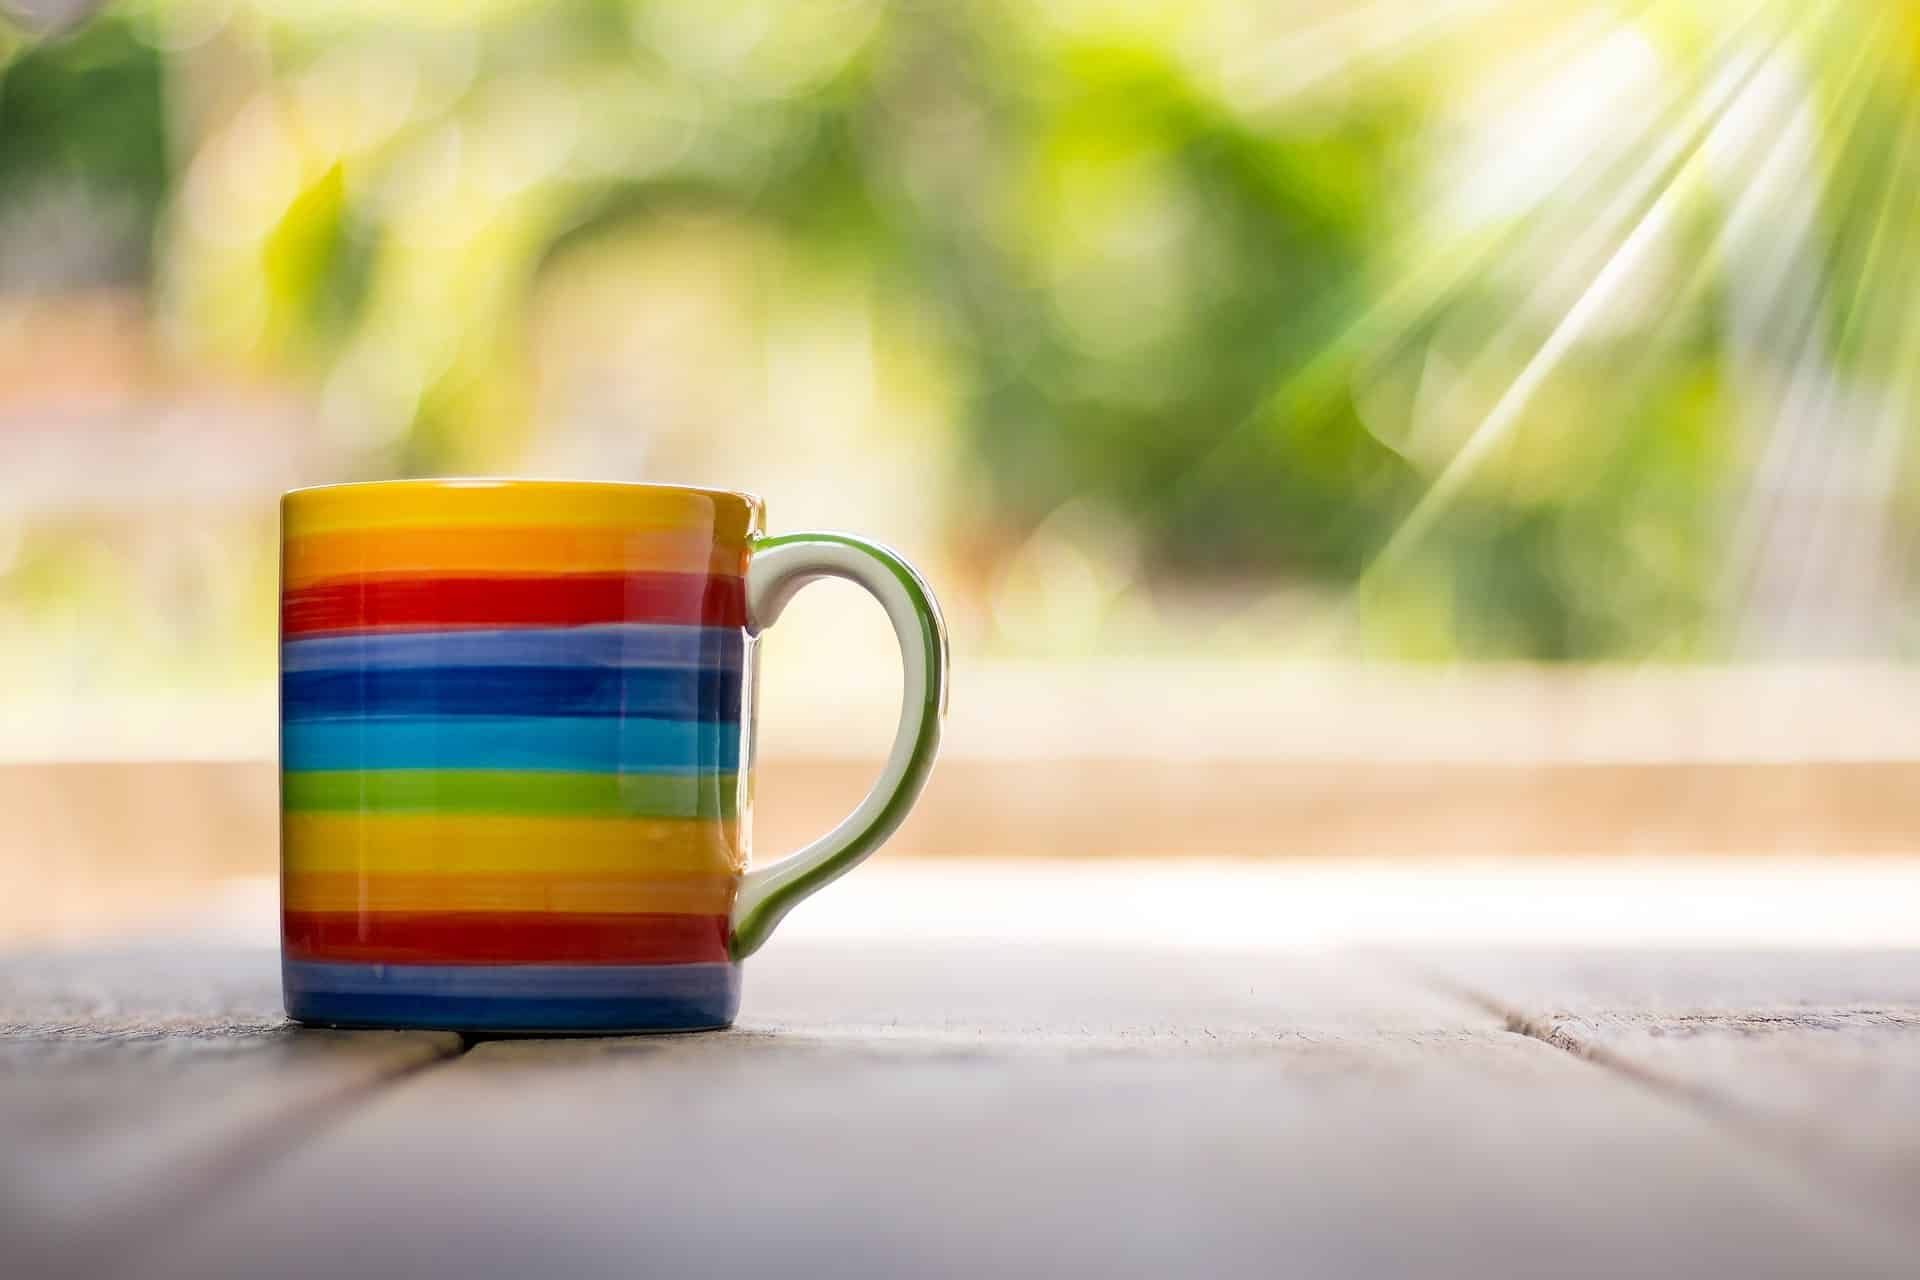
(1710,143)
(1664,175)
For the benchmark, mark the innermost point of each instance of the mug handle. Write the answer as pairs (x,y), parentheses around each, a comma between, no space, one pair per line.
(776,570)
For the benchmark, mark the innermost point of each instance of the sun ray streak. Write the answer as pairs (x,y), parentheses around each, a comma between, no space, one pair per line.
(1673,130)
(1507,410)
(1658,175)
(1797,453)
(1875,538)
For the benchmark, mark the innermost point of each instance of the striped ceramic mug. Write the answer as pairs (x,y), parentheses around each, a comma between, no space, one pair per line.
(516,749)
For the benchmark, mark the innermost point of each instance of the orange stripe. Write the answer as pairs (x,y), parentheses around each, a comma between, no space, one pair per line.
(355,553)
(692,894)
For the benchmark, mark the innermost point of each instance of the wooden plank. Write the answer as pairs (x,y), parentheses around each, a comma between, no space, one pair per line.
(1815,1054)
(136,1086)
(968,1109)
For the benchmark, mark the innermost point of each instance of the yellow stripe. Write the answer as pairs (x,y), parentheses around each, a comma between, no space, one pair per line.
(352,553)
(685,893)
(730,518)
(481,844)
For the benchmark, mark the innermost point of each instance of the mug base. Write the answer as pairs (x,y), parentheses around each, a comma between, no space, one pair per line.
(513,999)
(569,1032)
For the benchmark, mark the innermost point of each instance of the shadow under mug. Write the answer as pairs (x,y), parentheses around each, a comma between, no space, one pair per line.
(517,749)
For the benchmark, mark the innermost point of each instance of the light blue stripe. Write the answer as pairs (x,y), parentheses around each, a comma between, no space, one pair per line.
(597,744)
(626,644)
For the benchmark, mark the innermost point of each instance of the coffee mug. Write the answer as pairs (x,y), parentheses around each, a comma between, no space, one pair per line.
(516,749)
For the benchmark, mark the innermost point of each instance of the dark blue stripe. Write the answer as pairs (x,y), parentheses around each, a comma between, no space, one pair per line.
(627,644)
(538,998)
(585,744)
(664,693)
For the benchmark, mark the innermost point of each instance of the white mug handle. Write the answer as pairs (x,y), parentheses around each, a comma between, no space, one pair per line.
(776,569)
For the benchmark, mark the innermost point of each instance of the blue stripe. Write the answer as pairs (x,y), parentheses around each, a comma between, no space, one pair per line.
(546,998)
(687,693)
(596,744)
(614,645)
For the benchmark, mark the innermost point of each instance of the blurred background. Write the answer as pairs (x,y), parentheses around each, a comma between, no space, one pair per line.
(1433,430)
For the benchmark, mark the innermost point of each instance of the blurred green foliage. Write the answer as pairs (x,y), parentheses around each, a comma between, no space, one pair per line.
(1219,316)
(87,111)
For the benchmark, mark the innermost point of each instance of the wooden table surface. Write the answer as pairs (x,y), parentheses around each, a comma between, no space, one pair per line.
(969,1108)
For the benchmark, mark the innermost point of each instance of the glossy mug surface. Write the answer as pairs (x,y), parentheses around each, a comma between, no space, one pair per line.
(516,750)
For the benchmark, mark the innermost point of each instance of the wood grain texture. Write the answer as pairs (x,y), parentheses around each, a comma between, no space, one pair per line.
(135,1087)
(962,1109)
(1815,1054)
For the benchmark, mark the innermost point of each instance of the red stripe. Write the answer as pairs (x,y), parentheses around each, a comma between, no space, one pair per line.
(504,937)
(574,599)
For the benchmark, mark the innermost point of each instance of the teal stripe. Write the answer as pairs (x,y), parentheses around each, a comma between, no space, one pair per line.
(593,744)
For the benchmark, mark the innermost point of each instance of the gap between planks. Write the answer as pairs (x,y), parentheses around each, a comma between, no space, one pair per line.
(1791,1151)
(119,1251)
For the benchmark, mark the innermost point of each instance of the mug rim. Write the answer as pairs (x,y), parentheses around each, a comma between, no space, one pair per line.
(635,488)
(733,516)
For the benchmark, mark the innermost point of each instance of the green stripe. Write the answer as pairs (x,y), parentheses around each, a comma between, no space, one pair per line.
(754,928)
(597,795)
